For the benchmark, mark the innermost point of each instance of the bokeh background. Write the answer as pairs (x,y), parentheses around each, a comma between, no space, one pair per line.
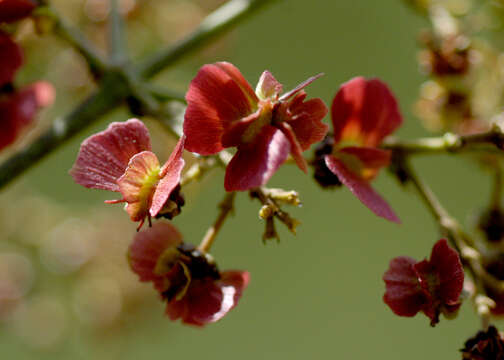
(70,293)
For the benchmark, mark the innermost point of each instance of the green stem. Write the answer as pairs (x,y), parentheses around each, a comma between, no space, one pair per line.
(117,41)
(226,208)
(491,141)
(215,24)
(76,39)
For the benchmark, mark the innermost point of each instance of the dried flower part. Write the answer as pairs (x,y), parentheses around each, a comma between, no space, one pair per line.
(187,279)
(18,109)
(322,175)
(14,10)
(363,113)
(491,223)
(11,58)
(495,267)
(446,56)
(485,345)
(432,286)
(223,111)
(104,157)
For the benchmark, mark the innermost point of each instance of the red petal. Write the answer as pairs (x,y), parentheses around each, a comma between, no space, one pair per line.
(372,159)
(233,136)
(403,293)
(207,300)
(254,163)
(306,120)
(450,272)
(296,150)
(147,247)
(13,10)
(364,111)
(103,157)
(268,86)
(170,178)
(361,188)
(11,57)
(217,96)
(18,110)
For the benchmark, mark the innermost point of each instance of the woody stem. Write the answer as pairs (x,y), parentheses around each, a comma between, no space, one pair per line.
(226,208)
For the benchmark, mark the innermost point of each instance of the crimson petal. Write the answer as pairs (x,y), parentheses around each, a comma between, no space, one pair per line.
(14,10)
(11,57)
(104,157)
(361,188)
(255,163)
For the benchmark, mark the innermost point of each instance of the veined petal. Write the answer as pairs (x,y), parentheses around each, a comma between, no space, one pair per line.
(364,111)
(11,57)
(234,134)
(148,246)
(103,157)
(372,159)
(403,293)
(217,96)
(361,188)
(138,183)
(14,10)
(170,178)
(255,163)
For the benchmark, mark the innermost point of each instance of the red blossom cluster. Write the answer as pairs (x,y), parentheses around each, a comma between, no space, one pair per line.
(18,107)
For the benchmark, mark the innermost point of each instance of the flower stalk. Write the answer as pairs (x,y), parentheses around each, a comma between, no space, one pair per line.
(226,208)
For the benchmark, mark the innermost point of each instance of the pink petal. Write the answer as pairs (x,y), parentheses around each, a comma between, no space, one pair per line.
(170,178)
(147,247)
(268,86)
(233,136)
(217,96)
(372,159)
(14,10)
(403,294)
(138,184)
(364,111)
(296,150)
(255,163)
(300,87)
(450,272)
(103,157)
(361,189)
(306,121)
(11,57)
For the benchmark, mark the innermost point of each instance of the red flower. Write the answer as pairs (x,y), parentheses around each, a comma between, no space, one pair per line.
(223,111)
(14,10)
(485,345)
(119,159)
(11,58)
(18,109)
(431,286)
(189,281)
(363,113)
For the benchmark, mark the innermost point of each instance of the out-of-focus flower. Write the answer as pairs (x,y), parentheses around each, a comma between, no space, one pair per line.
(18,109)
(363,113)
(494,265)
(11,58)
(14,10)
(491,223)
(16,279)
(187,279)
(485,345)
(224,111)
(119,159)
(432,286)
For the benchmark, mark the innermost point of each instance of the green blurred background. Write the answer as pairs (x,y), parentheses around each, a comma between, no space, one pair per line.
(314,295)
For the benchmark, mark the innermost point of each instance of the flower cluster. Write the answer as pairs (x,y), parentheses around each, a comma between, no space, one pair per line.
(185,277)
(432,286)
(18,107)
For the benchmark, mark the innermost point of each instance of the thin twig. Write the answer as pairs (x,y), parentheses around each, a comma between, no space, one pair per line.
(215,24)
(226,208)
(117,41)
